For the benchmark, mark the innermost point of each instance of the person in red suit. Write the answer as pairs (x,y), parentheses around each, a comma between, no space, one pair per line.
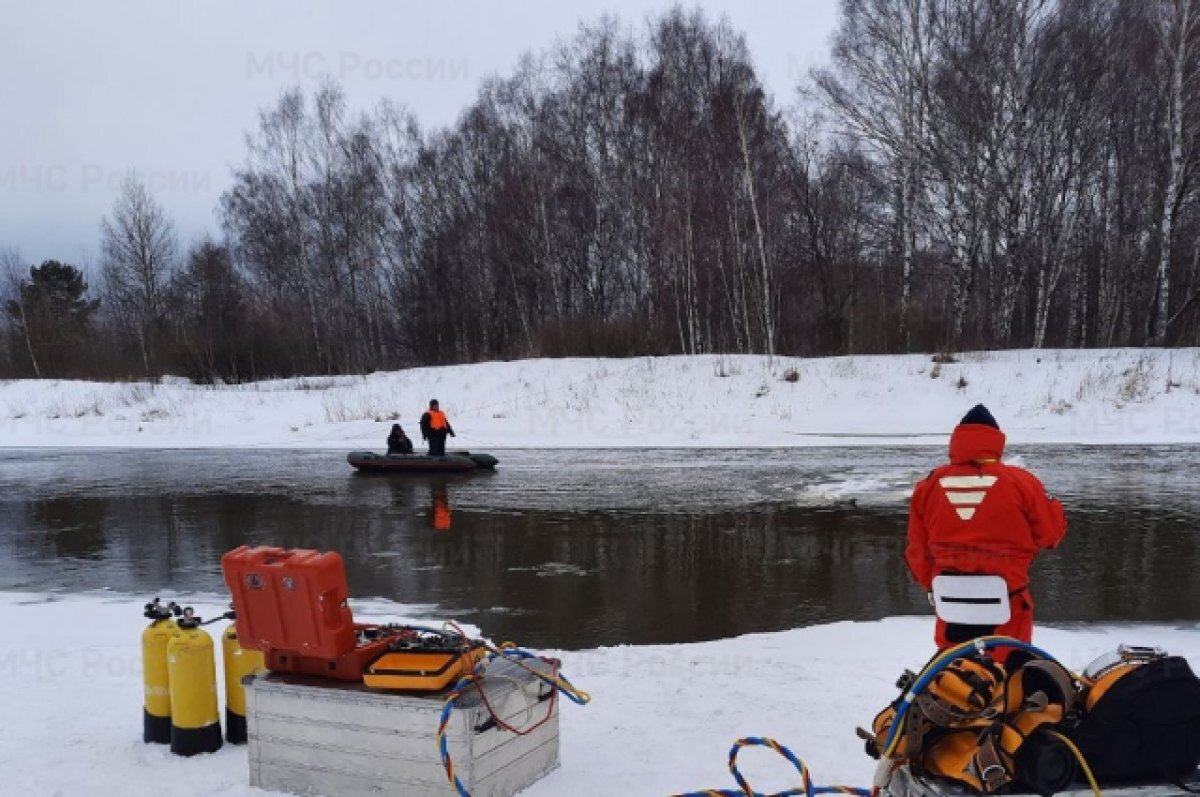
(978,516)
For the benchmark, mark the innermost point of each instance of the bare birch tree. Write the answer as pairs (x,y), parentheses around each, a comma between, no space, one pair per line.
(139,252)
(11,272)
(1177,23)
(878,87)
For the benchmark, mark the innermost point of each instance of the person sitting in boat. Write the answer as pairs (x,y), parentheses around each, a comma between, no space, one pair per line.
(398,442)
(978,516)
(434,428)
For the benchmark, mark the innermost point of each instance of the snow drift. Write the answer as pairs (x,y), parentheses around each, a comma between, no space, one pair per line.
(1063,396)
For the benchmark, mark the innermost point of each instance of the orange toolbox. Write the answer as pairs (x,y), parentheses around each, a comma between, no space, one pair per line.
(418,661)
(292,606)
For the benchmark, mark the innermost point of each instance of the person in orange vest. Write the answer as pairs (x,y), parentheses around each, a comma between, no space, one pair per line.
(978,516)
(434,428)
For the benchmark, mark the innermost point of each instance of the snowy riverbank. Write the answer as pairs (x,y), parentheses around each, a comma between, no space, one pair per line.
(1062,396)
(661,720)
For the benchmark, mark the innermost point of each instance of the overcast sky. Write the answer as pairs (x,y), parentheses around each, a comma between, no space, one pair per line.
(90,90)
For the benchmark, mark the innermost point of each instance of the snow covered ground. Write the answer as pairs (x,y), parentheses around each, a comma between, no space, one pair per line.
(663,716)
(1069,396)
(661,721)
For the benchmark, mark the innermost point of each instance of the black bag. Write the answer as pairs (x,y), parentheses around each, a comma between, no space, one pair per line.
(1044,765)
(1146,726)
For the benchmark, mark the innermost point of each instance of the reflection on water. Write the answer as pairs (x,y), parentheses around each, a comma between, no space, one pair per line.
(74,530)
(573,549)
(443,517)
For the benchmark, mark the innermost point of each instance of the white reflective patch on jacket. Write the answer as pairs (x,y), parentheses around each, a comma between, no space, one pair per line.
(965,493)
(966,482)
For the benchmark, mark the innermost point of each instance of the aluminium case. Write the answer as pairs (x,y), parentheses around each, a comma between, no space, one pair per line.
(314,737)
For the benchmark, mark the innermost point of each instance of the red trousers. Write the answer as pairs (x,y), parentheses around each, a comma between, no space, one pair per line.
(1019,625)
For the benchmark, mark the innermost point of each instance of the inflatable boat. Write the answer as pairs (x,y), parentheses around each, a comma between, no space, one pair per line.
(452,461)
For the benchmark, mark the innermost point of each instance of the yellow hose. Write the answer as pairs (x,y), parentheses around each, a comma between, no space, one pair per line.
(1091,779)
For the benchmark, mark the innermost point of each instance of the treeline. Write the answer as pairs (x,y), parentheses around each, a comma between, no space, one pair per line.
(614,196)
(1039,163)
(975,173)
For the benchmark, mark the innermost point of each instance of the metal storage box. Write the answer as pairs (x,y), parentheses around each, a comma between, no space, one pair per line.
(315,737)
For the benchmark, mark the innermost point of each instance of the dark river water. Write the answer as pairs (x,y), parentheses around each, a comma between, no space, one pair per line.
(573,549)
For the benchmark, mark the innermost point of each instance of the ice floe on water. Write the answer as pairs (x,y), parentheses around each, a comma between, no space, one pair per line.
(552,569)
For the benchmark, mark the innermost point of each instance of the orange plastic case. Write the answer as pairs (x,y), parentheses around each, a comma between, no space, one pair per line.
(422,671)
(292,606)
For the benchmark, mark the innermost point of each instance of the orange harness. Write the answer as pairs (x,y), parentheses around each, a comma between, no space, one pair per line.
(975,716)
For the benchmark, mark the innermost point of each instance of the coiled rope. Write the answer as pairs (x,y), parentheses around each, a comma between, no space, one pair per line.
(744,789)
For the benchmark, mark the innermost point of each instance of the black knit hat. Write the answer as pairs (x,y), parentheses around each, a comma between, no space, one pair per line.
(979,414)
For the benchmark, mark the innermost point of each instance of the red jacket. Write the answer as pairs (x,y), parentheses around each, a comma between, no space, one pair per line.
(977,515)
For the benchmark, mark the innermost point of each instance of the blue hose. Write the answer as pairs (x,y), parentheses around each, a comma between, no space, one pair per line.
(954,654)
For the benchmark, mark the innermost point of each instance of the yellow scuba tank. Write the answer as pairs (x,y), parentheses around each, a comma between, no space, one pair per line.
(156,701)
(239,662)
(192,673)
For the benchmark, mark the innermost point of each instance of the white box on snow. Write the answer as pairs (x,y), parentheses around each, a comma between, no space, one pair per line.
(316,737)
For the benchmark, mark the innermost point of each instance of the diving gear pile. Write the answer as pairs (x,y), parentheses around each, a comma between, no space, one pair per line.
(985,723)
